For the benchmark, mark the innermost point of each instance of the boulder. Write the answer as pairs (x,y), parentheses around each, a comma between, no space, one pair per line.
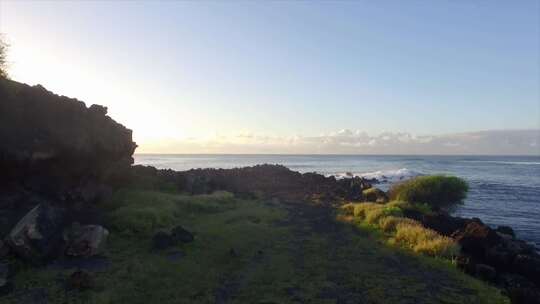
(501,257)
(519,289)
(466,264)
(375,195)
(475,238)
(443,223)
(38,234)
(528,266)
(485,272)
(85,241)
(162,240)
(506,230)
(180,234)
(4,249)
(5,285)
(80,280)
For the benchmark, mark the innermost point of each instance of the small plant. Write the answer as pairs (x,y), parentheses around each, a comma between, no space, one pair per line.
(438,191)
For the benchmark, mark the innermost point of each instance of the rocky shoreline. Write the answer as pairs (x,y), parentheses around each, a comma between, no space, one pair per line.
(58,158)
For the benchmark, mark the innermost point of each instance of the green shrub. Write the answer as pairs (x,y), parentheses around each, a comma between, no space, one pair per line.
(406,206)
(437,191)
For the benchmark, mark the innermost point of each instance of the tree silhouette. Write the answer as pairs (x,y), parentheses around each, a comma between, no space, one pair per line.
(3,57)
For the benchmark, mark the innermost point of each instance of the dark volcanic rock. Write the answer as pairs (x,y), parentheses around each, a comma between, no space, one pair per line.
(85,241)
(519,289)
(443,223)
(485,272)
(375,195)
(528,266)
(80,280)
(162,240)
(180,234)
(38,234)
(476,238)
(5,284)
(4,249)
(506,230)
(56,147)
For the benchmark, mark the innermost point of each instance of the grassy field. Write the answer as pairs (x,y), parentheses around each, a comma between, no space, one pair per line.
(249,251)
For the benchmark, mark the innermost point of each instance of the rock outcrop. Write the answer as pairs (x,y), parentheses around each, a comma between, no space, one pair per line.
(56,147)
(261,180)
(494,255)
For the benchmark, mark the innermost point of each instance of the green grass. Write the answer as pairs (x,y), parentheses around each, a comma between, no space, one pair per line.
(283,254)
(437,191)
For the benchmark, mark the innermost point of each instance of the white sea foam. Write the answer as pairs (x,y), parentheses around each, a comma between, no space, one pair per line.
(385,176)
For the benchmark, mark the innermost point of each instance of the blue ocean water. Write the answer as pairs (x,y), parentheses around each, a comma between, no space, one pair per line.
(504,190)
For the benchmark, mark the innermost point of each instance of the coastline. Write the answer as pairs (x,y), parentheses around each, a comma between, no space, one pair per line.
(64,195)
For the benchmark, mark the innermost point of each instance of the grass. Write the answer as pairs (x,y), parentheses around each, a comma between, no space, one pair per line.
(425,241)
(388,224)
(403,231)
(437,191)
(282,254)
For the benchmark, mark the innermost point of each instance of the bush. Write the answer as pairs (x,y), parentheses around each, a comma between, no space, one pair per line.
(438,191)
(425,241)
(406,206)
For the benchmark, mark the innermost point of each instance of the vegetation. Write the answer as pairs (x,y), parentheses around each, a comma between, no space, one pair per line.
(389,224)
(251,251)
(403,231)
(438,191)
(3,57)
(425,241)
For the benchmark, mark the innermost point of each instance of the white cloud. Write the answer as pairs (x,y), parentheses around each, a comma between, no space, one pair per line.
(357,142)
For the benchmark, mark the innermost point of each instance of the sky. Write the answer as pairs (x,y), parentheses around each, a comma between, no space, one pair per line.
(292,76)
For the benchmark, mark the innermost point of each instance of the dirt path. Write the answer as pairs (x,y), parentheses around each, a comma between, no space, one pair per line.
(333,262)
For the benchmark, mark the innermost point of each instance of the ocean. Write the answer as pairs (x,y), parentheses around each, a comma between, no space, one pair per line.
(504,190)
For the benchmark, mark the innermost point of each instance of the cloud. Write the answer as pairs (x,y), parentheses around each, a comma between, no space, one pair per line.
(501,142)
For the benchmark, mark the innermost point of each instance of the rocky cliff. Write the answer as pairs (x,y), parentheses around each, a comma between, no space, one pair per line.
(55,148)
